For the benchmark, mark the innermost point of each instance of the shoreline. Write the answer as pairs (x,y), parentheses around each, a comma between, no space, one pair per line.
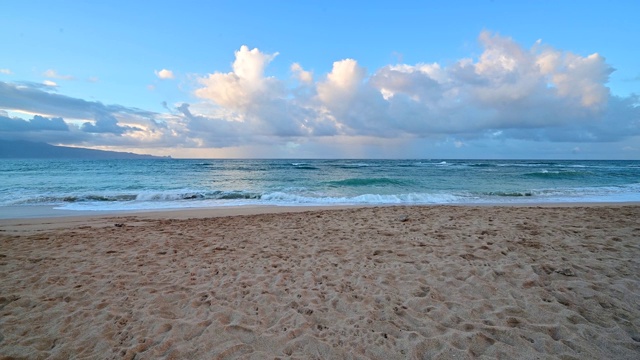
(46,218)
(107,218)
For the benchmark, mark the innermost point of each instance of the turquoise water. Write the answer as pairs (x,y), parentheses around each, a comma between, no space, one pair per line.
(178,183)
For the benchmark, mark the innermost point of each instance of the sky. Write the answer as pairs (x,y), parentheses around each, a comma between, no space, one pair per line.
(325,79)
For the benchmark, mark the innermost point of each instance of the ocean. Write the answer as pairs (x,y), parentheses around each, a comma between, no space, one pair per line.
(116,185)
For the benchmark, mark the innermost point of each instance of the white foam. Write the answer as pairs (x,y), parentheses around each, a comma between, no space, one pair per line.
(412,198)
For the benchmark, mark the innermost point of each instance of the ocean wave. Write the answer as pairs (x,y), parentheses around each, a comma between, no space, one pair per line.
(483,165)
(145,196)
(273,198)
(529,164)
(411,198)
(557,174)
(52,199)
(295,198)
(365,182)
(508,193)
(236,195)
(190,195)
(436,163)
(167,196)
(354,165)
(212,183)
(306,167)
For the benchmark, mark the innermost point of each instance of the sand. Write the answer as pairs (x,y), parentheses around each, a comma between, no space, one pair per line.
(438,282)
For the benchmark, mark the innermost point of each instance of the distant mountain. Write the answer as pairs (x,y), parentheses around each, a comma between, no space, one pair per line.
(18,149)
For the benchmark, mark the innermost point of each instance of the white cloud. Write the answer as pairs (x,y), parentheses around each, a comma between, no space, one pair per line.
(261,103)
(583,79)
(539,93)
(164,74)
(342,82)
(52,74)
(305,77)
(5,71)
(507,94)
(50,83)
(241,87)
(422,83)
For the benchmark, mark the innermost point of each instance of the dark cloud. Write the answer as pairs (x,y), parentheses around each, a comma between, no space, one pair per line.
(214,132)
(40,129)
(37,123)
(106,123)
(619,121)
(37,98)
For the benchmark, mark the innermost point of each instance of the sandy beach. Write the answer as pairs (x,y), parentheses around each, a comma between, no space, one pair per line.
(397,282)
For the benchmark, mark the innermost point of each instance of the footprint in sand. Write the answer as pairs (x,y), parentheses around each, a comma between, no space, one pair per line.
(242,333)
(234,351)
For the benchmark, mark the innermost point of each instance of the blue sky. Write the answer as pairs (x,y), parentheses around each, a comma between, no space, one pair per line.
(408,79)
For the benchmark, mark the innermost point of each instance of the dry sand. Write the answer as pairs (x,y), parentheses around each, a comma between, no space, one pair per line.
(381,283)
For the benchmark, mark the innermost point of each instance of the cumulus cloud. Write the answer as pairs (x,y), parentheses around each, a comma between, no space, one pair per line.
(538,93)
(305,77)
(342,83)
(262,103)
(244,85)
(507,87)
(5,71)
(507,93)
(164,74)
